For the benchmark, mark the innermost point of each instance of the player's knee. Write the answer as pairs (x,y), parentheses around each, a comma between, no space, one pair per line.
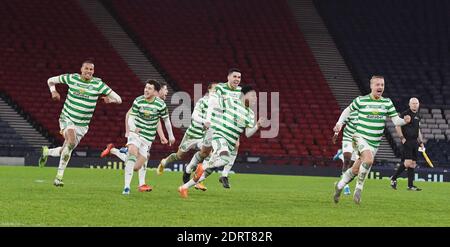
(369,162)
(368,159)
(137,167)
(408,163)
(204,153)
(133,150)
(355,170)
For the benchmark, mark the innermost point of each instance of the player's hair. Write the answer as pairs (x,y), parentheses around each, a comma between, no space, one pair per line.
(210,84)
(163,83)
(246,89)
(376,77)
(155,83)
(88,60)
(230,71)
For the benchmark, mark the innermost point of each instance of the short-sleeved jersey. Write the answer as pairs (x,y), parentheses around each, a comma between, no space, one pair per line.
(232,122)
(350,126)
(411,130)
(224,93)
(196,129)
(372,115)
(82,96)
(147,114)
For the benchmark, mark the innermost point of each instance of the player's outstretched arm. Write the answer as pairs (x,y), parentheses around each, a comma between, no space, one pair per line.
(127,127)
(344,115)
(161,135)
(169,130)
(401,121)
(51,82)
(113,97)
(213,102)
(251,131)
(131,124)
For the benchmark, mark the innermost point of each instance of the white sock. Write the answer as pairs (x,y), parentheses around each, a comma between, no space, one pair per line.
(219,162)
(203,177)
(64,160)
(129,165)
(226,170)
(189,184)
(142,173)
(364,170)
(346,178)
(193,163)
(54,152)
(119,155)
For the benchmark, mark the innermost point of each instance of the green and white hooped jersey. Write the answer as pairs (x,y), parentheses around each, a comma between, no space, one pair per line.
(147,115)
(224,94)
(196,130)
(232,122)
(350,126)
(372,115)
(82,96)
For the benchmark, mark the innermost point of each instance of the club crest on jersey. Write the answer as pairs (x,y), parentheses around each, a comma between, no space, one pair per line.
(147,112)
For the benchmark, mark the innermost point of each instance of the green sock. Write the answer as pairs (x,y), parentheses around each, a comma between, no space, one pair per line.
(171,158)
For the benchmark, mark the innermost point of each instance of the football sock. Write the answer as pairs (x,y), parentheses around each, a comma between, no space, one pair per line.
(142,173)
(347,177)
(64,160)
(171,158)
(189,184)
(399,171)
(129,164)
(226,170)
(364,170)
(410,176)
(119,155)
(193,163)
(54,152)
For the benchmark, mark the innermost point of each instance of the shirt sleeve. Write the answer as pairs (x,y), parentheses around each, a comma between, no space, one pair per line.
(64,78)
(391,110)
(355,105)
(250,123)
(134,108)
(164,111)
(104,89)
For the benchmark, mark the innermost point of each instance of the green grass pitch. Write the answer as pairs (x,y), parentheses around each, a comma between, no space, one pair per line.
(92,197)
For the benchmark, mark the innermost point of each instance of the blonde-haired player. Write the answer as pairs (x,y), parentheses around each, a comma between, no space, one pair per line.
(372,112)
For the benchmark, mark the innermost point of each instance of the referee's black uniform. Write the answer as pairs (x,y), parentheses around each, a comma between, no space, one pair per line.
(410,133)
(410,148)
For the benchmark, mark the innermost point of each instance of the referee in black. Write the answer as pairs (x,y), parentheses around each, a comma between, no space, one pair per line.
(411,139)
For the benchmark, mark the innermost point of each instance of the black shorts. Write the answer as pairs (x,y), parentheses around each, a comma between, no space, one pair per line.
(410,150)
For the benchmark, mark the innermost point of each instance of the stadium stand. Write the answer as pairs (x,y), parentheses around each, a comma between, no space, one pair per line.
(11,144)
(38,42)
(384,37)
(202,39)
